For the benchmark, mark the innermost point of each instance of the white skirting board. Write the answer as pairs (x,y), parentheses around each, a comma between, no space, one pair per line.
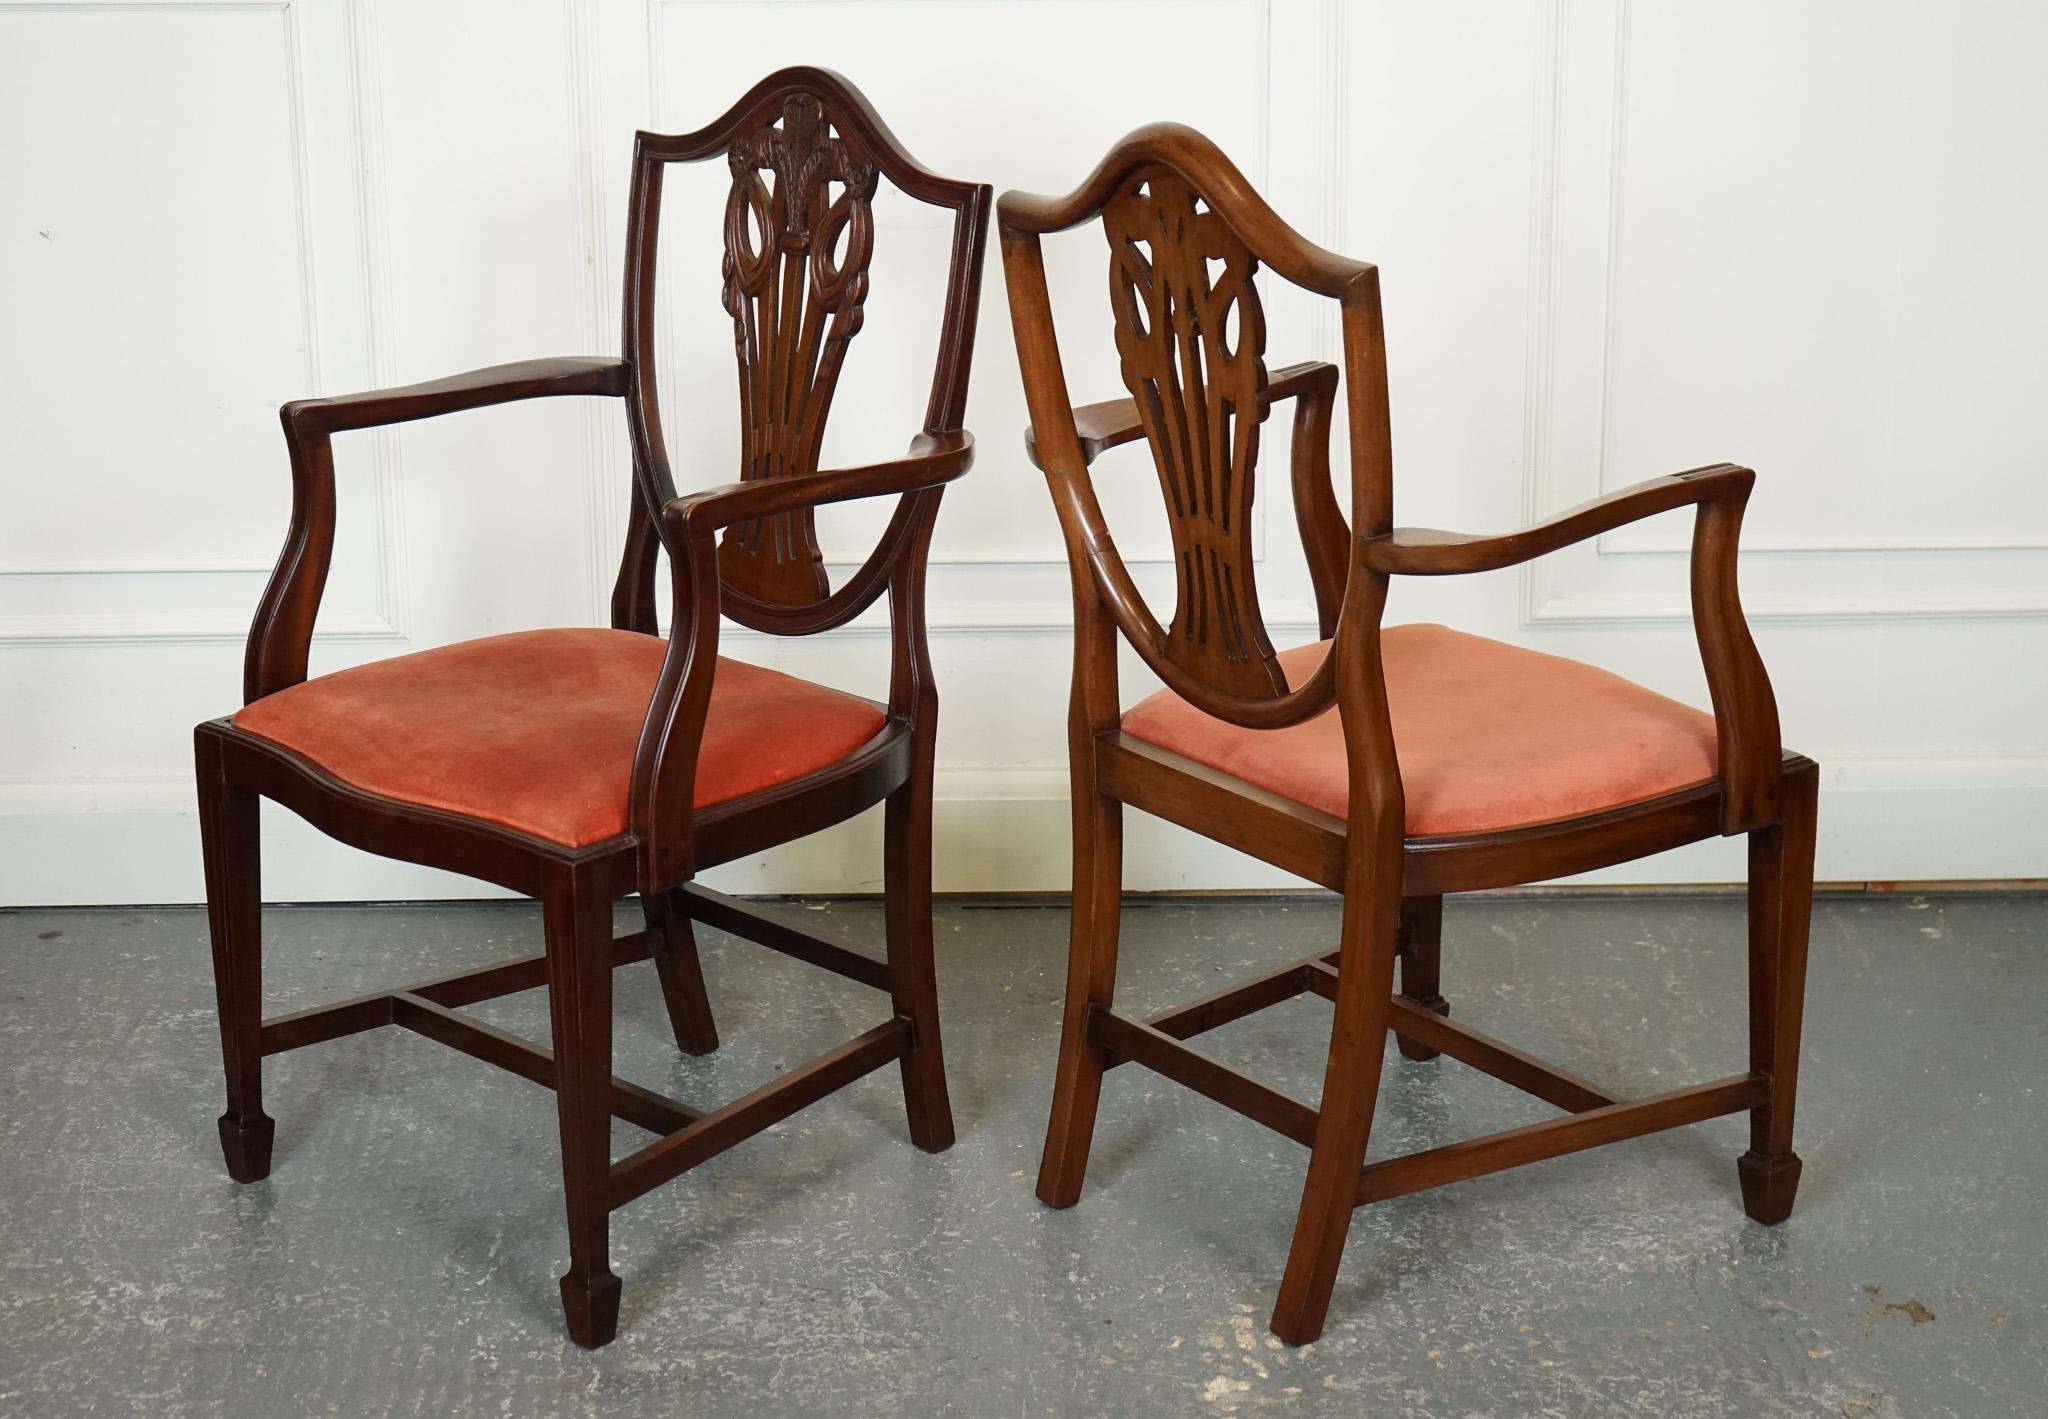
(999,829)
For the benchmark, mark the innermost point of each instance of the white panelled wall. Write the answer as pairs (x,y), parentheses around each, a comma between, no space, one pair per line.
(1615,239)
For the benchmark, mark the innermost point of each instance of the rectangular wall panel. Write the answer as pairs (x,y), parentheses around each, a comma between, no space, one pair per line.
(1615,238)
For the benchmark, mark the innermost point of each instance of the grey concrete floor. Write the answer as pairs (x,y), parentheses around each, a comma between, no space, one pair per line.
(402,1257)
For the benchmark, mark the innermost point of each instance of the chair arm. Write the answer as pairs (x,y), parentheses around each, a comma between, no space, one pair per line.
(934,459)
(281,637)
(1745,710)
(1428,551)
(665,762)
(1099,427)
(473,389)
(1115,421)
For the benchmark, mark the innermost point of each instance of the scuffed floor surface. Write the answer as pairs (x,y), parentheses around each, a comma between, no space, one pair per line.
(402,1257)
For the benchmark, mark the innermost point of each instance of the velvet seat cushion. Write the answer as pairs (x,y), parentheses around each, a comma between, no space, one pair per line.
(536,731)
(1488,735)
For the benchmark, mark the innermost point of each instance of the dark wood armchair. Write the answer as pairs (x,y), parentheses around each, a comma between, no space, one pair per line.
(1393,764)
(578,766)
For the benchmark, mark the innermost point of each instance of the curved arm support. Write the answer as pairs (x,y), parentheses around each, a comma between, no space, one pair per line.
(663,795)
(281,637)
(1325,535)
(473,389)
(934,460)
(1428,551)
(1097,427)
(665,762)
(1745,710)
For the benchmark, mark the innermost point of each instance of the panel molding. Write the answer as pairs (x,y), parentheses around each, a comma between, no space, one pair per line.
(386,620)
(1546,489)
(1821,546)
(41,630)
(130,566)
(366,97)
(1007,828)
(1546,160)
(1613,608)
(608,492)
(958,617)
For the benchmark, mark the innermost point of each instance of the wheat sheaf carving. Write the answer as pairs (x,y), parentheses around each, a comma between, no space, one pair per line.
(796,275)
(1192,336)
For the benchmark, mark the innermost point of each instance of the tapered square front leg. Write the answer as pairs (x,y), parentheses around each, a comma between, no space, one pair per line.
(1780,913)
(578,915)
(1091,980)
(230,841)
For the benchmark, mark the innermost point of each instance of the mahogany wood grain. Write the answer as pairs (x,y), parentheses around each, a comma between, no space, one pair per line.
(1780,911)
(1507,857)
(1421,946)
(1190,239)
(232,844)
(367,1012)
(794,311)
(1476,1157)
(1112,423)
(1192,337)
(683,993)
(912,979)
(577,913)
(779,931)
(806,152)
(1290,835)
(492,1045)
(1098,819)
(1491,1056)
(474,389)
(1234,1002)
(1412,1021)
(1163,1054)
(639,1173)
(1428,551)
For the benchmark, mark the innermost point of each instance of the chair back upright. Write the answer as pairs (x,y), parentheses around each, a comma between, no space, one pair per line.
(1188,237)
(806,151)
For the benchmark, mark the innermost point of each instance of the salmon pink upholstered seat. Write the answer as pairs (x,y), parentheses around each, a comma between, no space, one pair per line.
(1489,736)
(536,731)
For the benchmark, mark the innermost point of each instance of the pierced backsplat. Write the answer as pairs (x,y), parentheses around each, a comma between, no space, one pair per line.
(796,273)
(1192,335)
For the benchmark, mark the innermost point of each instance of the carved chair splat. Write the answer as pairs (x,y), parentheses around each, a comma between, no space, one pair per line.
(1291,757)
(653,758)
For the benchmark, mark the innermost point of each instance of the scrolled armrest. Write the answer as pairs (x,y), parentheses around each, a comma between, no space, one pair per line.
(473,389)
(933,459)
(1115,421)
(1428,551)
